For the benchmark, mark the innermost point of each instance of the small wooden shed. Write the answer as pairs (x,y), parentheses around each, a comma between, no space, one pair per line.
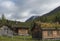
(36,32)
(21,30)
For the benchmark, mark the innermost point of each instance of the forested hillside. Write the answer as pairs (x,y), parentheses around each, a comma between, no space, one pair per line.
(53,16)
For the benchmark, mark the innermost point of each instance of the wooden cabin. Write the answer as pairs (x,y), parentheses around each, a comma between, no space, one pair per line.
(46,31)
(50,30)
(50,33)
(21,30)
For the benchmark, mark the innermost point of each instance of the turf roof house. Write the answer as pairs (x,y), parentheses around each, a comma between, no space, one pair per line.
(21,30)
(13,29)
(46,31)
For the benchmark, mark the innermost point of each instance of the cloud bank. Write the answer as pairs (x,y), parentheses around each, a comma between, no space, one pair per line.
(21,10)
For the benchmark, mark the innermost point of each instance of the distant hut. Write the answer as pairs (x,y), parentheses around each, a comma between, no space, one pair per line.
(6,31)
(21,30)
(36,32)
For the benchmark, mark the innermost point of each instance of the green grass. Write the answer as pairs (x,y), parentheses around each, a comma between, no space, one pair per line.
(20,38)
(15,38)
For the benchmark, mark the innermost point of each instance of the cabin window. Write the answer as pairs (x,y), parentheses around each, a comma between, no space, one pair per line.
(50,33)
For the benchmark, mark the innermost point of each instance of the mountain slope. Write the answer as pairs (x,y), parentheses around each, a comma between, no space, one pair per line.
(32,18)
(52,16)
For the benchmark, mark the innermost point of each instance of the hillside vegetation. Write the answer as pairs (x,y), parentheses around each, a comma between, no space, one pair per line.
(52,16)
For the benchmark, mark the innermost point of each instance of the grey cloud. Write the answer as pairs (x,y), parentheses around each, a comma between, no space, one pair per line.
(36,7)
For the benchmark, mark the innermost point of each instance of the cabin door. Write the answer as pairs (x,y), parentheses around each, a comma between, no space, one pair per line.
(39,35)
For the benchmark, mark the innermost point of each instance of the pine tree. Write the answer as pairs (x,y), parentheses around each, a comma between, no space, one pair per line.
(3,19)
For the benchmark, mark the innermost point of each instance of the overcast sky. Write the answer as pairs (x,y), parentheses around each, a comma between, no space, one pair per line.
(21,10)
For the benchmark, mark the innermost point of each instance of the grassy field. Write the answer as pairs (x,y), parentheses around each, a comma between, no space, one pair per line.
(20,38)
(15,38)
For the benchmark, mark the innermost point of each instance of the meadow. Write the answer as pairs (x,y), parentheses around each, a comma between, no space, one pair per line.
(20,38)
(15,38)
